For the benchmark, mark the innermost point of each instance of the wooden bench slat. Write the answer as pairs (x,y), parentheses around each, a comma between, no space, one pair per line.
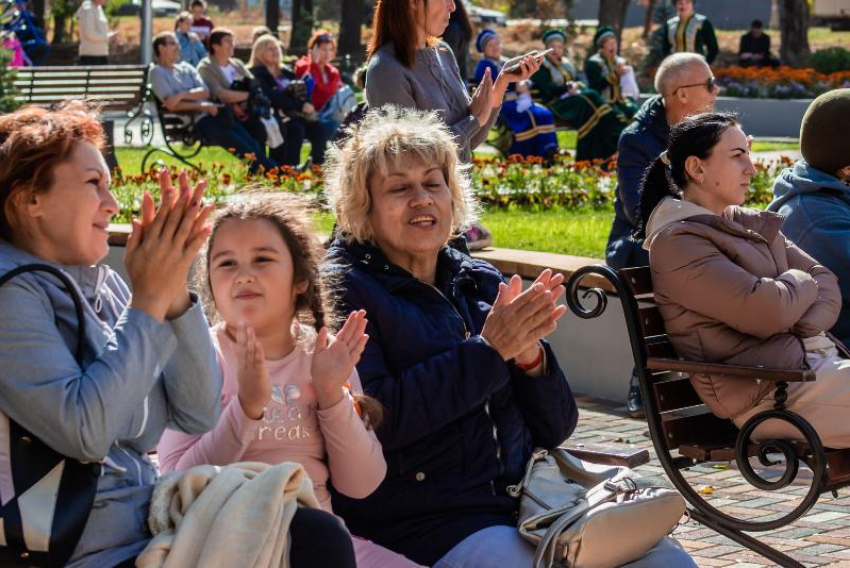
(651,321)
(117,88)
(639,280)
(674,394)
(661,348)
(699,430)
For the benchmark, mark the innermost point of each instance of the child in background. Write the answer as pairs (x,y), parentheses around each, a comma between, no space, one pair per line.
(202,26)
(291,392)
(10,42)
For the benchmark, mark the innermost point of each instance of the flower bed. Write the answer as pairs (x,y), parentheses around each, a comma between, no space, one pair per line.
(779,83)
(498,183)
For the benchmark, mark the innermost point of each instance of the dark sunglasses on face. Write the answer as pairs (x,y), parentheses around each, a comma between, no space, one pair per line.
(709,84)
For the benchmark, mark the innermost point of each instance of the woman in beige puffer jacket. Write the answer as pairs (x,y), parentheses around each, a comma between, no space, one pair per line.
(732,289)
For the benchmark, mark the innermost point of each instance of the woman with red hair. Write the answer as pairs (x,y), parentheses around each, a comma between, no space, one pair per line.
(91,372)
(317,64)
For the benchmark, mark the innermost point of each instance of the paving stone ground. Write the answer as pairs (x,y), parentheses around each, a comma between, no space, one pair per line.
(820,538)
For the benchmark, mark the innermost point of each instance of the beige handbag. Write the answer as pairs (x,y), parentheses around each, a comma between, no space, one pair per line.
(579,518)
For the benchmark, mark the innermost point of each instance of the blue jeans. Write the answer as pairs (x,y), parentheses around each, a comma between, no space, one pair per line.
(295,130)
(502,546)
(233,137)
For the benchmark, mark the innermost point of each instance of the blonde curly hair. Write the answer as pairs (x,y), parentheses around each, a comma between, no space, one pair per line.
(379,141)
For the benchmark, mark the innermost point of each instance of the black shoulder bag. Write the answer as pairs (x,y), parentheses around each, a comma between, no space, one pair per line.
(41,524)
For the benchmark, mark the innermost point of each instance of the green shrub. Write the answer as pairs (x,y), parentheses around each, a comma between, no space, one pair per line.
(7,87)
(831,60)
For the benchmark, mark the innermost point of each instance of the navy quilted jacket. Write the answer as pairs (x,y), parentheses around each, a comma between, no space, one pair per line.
(460,422)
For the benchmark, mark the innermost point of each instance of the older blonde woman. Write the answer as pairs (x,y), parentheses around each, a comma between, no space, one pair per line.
(289,99)
(455,355)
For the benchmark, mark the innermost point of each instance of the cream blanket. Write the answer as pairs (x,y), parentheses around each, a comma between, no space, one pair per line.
(237,515)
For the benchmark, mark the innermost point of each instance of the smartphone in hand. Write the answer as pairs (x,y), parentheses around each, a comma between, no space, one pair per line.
(512,65)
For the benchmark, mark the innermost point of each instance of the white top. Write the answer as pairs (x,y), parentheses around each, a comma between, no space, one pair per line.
(94,30)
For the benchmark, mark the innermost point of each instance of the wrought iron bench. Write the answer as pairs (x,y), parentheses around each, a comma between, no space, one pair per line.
(686,434)
(121,89)
(177,128)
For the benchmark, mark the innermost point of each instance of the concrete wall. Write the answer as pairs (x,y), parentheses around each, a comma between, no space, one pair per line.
(724,14)
(765,117)
(595,354)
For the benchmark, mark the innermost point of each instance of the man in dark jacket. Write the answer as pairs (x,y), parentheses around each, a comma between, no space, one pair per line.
(686,86)
(814,194)
(754,48)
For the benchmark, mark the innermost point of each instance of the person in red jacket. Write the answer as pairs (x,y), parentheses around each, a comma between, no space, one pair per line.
(322,78)
(317,64)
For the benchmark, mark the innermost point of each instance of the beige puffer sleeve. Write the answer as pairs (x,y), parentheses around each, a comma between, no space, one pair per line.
(690,270)
(823,313)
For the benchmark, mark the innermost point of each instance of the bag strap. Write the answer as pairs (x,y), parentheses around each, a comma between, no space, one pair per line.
(72,290)
(76,489)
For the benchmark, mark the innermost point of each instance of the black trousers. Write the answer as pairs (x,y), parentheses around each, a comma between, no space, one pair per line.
(316,540)
(94,60)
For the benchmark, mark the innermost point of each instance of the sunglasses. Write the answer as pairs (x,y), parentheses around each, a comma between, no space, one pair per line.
(709,84)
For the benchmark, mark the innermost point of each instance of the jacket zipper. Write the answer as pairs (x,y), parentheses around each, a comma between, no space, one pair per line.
(466,335)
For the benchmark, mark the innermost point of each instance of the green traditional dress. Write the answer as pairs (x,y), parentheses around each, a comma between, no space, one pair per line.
(601,77)
(694,35)
(597,125)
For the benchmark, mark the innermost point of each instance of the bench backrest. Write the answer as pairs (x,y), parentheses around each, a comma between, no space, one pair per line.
(119,87)
(669,397)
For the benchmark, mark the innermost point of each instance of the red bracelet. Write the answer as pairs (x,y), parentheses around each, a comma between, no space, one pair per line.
(534,364)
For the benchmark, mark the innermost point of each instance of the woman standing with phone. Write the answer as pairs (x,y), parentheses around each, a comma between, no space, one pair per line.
(409,67)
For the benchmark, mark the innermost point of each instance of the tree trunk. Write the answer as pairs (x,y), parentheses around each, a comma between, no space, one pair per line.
(58,29)
(350,27)
(302,26)
(273,15)
(647,24)
(38,7)
(523,8)
(613,13)
(794,27)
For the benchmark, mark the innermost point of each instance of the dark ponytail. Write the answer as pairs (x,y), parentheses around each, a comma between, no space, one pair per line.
(656,185)
(695,136)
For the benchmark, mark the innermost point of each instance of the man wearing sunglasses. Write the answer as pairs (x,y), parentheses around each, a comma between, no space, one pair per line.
(686,86)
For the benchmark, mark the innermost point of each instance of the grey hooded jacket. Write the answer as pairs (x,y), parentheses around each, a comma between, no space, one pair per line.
(138,377)
(816,207)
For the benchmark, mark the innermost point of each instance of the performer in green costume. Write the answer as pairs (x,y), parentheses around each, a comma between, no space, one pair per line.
(604,70)
(557,86)
(691,32)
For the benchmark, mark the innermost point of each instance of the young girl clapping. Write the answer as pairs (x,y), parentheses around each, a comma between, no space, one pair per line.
(291,392)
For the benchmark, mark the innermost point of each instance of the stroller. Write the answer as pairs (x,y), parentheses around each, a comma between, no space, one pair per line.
(16,17)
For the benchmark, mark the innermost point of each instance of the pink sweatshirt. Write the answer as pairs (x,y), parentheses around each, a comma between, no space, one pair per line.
(331,442)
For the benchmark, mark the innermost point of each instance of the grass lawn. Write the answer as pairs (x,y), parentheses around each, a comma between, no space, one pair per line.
(130,159)
(579,233)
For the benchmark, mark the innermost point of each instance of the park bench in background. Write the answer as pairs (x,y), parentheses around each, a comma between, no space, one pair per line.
(120,89)
(177,128)
(685,433)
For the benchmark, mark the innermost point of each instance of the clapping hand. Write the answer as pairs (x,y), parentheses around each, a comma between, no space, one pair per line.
(518,320)
(481,104)
(334,358)
(252,376)
(162,246)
